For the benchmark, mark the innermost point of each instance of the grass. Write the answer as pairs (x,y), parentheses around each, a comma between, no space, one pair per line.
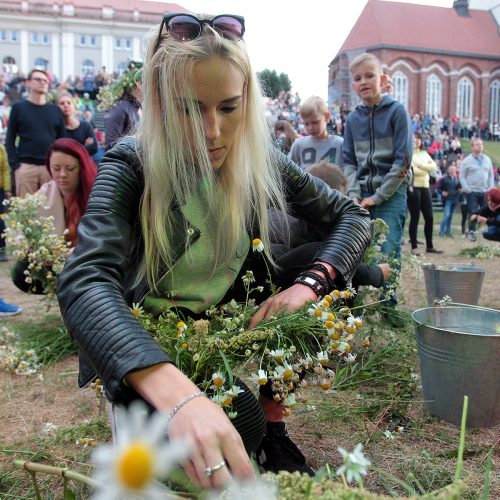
(492,149)
(377,394)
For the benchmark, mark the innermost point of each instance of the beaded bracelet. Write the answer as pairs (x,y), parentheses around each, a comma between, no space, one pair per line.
(318,278)
(313,283)
(320,267)
(181,403)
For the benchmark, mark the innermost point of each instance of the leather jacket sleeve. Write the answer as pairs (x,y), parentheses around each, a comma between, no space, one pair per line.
(343,225)
(111,341)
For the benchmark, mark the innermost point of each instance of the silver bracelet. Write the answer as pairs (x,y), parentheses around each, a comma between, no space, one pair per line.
(181,403)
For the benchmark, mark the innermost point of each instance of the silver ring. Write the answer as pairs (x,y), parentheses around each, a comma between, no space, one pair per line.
(210,470)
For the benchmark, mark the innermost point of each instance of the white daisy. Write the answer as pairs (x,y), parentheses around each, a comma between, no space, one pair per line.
(260,377)
(128,469)
(355,464)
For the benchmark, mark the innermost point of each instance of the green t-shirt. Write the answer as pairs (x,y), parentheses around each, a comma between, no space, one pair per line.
(192,282)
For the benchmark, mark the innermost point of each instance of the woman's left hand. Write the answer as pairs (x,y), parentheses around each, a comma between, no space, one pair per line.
(288,300)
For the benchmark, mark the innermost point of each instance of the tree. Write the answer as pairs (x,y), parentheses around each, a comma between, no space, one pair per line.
(273,83)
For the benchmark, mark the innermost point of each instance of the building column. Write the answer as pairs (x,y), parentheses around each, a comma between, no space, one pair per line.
(68,56)
(136,48)
(107,50)
(24,64)
(56,55)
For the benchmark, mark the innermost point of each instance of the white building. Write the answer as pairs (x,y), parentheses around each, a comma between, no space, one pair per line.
(73,37)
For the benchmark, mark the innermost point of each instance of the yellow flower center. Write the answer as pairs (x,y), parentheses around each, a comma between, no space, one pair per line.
(329,324)
(136,312)
(135,466)
(218,382)
(256,242)
(287,374)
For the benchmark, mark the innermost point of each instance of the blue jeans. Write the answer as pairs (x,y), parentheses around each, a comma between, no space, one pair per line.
(393,213)
(449,208)
(475,201)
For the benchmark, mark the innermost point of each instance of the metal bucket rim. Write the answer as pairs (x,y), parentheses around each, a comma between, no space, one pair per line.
(470,268)
(451,330)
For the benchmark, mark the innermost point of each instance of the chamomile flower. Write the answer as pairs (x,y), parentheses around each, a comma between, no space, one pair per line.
(137,310)
(322,357)
(350,358)
(257,245)
(355,464)
(288,371)
(140,455)
(291,400)
(277,355)
(218,379)
(260,377)
(233,392)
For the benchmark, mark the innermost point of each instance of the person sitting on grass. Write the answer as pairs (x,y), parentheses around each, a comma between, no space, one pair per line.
(490,215)
(73,172)
(175,208)
(301,232)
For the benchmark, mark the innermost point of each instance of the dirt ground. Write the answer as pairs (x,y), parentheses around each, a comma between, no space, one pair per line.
(26,404)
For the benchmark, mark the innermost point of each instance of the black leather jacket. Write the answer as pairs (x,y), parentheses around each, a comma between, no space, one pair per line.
(96,288)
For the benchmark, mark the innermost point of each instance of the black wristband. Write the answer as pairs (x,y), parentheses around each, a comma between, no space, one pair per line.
(316,277)
(313,281)
(320,267)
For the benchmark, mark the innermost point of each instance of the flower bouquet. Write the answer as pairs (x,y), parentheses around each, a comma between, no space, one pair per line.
(34,241)
(288,351)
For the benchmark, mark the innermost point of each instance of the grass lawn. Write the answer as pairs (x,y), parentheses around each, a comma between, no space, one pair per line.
(492,149)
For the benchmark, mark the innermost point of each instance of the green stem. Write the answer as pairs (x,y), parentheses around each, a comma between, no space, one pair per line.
(35,485)
(369,304)
(32,468)
(486,488)
(460,459)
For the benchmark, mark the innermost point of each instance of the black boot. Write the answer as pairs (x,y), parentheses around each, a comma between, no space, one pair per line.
(278,452)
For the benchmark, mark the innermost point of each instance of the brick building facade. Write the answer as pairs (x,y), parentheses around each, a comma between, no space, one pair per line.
(442,61)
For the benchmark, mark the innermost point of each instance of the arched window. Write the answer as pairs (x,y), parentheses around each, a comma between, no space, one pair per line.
(88,66)
(433,96)
(41,63)
(494,114)
(401,88)
(465,99)
(10,64)
(122,67)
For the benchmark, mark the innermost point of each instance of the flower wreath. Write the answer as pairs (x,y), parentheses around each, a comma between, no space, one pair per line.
(109,94)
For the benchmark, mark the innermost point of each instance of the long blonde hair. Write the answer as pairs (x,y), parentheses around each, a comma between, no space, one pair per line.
(248,181)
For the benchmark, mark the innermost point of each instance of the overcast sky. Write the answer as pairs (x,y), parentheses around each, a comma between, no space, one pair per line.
(299,38)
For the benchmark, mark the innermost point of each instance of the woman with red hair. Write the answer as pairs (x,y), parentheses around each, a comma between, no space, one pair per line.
(73,173)
(490,215)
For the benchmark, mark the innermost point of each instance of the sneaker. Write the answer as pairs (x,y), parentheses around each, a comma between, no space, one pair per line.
(8,310)
(278,452)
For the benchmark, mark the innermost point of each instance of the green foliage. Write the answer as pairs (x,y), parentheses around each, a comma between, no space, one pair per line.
(98,428)
(273,83)
(481,251)
(50,344)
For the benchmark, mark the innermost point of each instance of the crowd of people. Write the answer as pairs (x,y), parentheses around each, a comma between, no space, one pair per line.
(191,172)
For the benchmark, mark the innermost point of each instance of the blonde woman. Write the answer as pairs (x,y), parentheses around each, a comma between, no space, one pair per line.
(76,128)
(174,208)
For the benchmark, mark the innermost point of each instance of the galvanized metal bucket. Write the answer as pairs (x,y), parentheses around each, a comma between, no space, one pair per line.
(459,350)
(461,282)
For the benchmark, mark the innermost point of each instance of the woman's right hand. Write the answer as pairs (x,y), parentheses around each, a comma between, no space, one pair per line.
(213,439)
(199,421)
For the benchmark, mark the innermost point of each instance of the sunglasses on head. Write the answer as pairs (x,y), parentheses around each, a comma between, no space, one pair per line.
(186,27)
